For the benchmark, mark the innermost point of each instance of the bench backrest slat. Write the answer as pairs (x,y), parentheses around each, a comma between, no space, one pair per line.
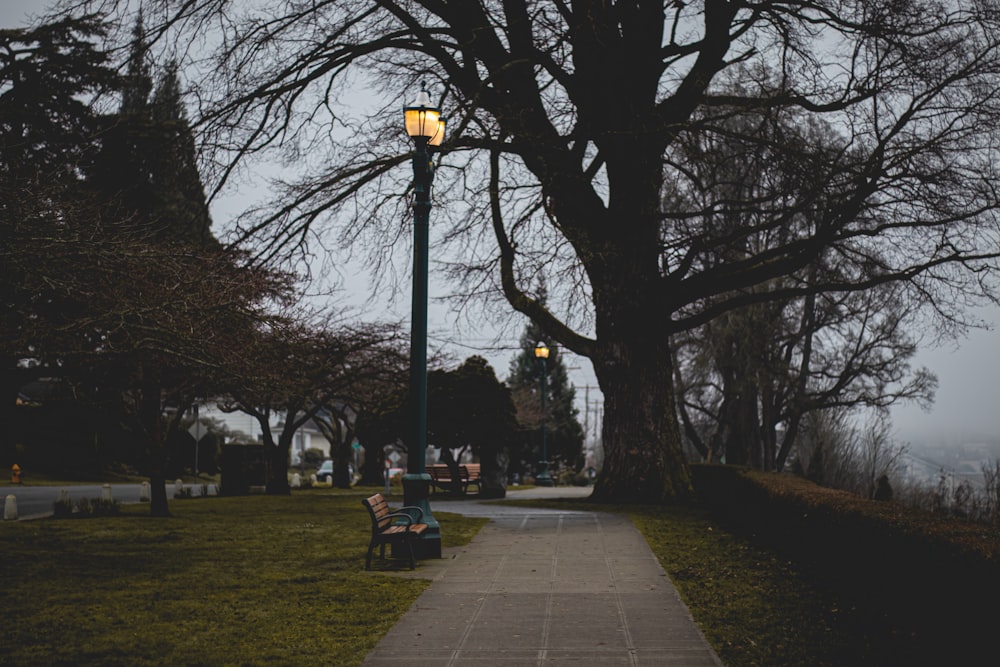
(379,510)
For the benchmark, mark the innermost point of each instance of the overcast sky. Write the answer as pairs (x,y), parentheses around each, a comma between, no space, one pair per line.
(968,398)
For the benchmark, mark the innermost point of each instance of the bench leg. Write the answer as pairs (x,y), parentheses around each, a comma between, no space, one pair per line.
(409,550)
(409,545)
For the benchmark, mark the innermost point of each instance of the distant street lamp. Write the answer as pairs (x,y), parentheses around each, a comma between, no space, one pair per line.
(425,126)
(543,478)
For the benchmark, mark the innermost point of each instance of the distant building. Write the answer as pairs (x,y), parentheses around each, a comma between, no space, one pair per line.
(242,427)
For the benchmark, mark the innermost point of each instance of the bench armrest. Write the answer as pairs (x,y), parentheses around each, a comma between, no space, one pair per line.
(403,511)
(400,514)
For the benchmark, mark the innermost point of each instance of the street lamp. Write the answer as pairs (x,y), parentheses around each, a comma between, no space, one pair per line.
(543,478)
(425,126)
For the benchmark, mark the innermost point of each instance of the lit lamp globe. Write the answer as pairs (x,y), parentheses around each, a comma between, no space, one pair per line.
(424,121)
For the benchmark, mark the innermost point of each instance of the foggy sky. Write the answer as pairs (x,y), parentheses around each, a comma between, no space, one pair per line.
(967,403)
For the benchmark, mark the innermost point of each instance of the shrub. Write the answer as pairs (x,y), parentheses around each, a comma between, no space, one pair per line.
(62,508)
(313,457)
(83,508)
(102,507)
(565,477)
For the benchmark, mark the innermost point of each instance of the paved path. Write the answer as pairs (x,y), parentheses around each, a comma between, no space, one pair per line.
(541,587)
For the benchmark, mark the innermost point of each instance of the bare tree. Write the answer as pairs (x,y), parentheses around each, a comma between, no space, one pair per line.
(296,368)
(747,377)
(566,119)
(836,453)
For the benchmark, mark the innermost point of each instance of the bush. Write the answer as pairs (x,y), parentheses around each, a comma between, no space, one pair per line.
(313,457)
(84,508)
(102,507)
(565,477)
(62,508)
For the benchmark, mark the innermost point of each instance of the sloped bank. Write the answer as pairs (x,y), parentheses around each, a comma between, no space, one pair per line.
(931,580)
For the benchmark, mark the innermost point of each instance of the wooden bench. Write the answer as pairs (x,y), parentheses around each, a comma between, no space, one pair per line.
(390,527)
(441,478)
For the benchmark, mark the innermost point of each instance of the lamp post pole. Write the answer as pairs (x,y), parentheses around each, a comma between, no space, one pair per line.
(424,125)
(543,478)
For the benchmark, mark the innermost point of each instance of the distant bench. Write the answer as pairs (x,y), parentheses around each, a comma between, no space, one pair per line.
(441,479)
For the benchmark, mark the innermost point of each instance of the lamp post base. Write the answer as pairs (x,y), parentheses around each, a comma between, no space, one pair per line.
(543,478)
(416,493)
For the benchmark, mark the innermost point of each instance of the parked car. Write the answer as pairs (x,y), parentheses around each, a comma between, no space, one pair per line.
(325,472)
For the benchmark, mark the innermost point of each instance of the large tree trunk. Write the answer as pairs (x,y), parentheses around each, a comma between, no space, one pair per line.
(277,455)
(150,417)
(493,480)
(10,384)
(277,467)
(343,452)
(373,467)
(643,459)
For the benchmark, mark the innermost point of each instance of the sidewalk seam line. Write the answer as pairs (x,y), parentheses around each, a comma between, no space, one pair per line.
(618,597)
(546,624)
(479,605)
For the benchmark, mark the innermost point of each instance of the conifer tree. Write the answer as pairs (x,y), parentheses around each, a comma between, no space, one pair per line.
(563,432)
(147,178)
(47,136)
(148,165)
(180,195)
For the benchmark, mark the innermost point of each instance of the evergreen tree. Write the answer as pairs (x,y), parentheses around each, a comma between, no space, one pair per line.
(90,294)
(148,164)
(147,179)
(47,130)
(563,432)
(48,135)
(180,195)
(138,77)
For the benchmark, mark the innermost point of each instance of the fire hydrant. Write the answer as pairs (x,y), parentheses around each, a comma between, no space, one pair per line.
(15,474)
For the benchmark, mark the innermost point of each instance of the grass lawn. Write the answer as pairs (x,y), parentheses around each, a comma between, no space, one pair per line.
(754,608)
(250,580)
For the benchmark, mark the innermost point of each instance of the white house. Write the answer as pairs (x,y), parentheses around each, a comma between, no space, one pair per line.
(245,427)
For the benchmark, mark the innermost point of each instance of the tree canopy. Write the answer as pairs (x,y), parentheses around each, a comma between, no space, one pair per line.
(470,410)
(568,124)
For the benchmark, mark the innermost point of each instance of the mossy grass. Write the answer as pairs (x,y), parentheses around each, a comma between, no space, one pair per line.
(248,580)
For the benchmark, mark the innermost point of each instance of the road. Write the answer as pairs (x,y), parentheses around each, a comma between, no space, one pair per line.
(35,501)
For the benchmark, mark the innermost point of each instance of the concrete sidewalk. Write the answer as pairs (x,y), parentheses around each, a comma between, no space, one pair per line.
(545,587)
